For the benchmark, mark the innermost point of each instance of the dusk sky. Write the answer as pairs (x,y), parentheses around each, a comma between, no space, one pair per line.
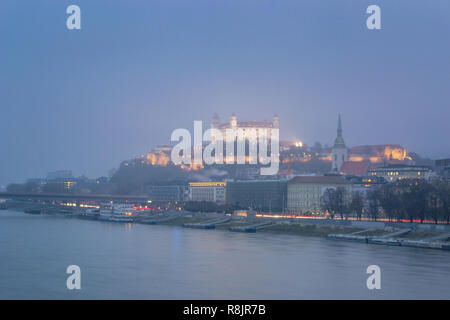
(87,99)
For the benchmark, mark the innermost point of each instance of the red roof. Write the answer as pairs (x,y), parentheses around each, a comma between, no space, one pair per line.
(356,168)
(320,179)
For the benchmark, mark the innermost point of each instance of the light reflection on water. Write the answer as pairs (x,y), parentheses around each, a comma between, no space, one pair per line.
(132,261)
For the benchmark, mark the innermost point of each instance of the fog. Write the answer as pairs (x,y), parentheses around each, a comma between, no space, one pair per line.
(87,99)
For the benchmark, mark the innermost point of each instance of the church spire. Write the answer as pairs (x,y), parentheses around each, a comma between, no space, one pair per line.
(339,142)
(339,129)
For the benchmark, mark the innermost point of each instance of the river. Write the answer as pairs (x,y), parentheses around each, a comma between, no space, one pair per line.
(134,261)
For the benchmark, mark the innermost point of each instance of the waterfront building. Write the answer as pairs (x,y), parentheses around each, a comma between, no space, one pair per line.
(170,193)
(339,152)
(261,195)
(304,193)
(393,173)
(208,191)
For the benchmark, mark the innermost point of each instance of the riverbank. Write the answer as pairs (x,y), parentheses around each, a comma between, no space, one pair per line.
(371,233)
(381,233)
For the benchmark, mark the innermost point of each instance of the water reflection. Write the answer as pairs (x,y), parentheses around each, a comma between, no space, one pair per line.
(132,261)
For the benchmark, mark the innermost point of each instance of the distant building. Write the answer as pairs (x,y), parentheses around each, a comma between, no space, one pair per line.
(261,195)
(397,172)
(443,167)
(36,181)
(166,193)
(159,156)
(339,152)
(101,180)
(381,153)
(59,174)
(364,184)
(208,191)
(443,162)
(304,194)
(290,145)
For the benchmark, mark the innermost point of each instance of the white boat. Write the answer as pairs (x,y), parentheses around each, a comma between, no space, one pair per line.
(118,213)
(90,213)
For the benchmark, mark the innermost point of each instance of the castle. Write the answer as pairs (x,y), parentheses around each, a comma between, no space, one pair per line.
(246,126)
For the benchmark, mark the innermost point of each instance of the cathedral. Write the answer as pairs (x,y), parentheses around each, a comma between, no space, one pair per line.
(339,152)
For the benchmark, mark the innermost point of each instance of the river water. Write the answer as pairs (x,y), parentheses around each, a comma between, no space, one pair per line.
(133,261)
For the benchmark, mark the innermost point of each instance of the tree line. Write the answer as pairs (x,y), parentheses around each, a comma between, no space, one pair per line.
(407,199)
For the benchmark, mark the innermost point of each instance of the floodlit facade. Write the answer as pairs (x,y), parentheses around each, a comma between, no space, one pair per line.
(304,194)
(208,191)
(399,172)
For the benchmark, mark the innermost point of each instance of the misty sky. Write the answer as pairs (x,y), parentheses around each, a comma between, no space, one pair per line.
(86,100)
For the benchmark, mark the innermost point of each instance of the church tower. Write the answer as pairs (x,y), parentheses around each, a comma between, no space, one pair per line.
(339,151)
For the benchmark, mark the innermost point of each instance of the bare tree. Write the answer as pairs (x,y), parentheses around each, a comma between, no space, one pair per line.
(335,201)
(373,203)
(357,204)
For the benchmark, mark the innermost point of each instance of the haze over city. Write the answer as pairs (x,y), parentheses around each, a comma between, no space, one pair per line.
(87,100)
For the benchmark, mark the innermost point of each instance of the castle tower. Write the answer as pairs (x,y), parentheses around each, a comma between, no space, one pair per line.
(276,122)
(215,121)
(339,151)
(233,121)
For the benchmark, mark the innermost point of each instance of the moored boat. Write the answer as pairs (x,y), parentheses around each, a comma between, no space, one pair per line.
(32,211)
(118,213)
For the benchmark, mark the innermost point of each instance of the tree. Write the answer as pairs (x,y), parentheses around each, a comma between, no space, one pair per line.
(341,202)
(357,204)
(433,203)
(373,203)
(328,201)
(388,197)
(442,190)
(415,193)
(335,201)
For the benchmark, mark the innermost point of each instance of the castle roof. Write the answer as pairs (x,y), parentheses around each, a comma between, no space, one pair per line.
(249,124)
